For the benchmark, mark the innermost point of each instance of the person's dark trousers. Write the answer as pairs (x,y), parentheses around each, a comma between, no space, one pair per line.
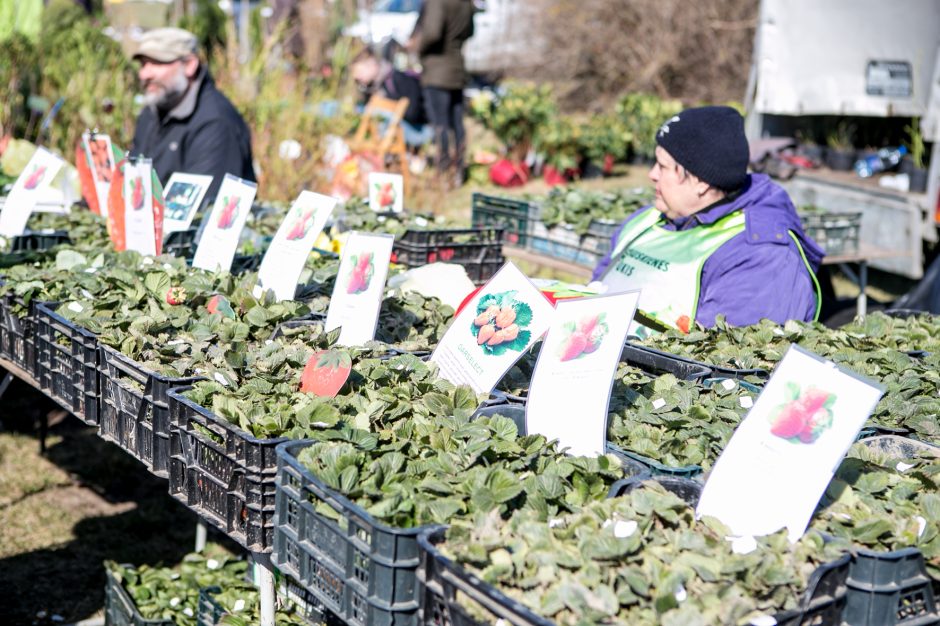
(445,110)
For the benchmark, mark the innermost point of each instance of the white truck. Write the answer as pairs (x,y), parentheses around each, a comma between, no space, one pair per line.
(860,58)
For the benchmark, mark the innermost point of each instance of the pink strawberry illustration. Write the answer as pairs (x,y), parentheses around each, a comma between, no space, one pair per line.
(361,274)
(574,347)
(789,423)
(229,211)
(300,227)
(803,418)
(137,194)
(32,181)
(386,195)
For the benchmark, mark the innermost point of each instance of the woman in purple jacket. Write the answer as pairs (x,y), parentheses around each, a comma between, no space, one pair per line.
(717,241)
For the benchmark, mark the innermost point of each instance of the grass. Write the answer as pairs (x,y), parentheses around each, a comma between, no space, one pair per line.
(64,513)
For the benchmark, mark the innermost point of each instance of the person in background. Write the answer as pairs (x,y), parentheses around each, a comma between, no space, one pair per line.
(374,75)
(442,28)
(187,124)
(717,240)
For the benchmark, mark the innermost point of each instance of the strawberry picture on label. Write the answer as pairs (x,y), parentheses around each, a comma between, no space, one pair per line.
(582,337)
(385,195)
(361,273)
(220,305)
(35,177)
(501,322)
(229,212)
(301,226)
(804,416)
(326,372)
(137,193)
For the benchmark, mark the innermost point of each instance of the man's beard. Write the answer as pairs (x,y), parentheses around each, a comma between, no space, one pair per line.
(168,97)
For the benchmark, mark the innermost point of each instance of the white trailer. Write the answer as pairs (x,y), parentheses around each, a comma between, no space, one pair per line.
(866,58)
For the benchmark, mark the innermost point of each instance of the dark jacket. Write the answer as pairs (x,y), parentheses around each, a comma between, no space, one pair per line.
(759,273)
(443,26)
(400,85)
(203,134)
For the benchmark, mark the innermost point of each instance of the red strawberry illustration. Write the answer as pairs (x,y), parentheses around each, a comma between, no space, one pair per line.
(326,372)
(683,323)
(32,181)
(365,260)
(386,195)
(300,227)
(361,274)
(229,211)
(805,417)
(790,422)
(137,194)
(574,347)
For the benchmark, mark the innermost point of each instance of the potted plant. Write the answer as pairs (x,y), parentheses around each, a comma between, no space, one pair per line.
(642,115)
(809,148)
(604,140)
(558,142)
(841,155)
(516,115)
(918,170)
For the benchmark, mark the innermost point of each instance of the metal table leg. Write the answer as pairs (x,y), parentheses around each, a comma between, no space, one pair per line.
(200,535)
(862,284)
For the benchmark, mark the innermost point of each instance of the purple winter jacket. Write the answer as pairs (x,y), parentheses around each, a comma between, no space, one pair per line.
(758,273)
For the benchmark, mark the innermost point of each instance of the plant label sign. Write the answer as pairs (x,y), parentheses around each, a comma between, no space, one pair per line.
(219,240)
(100,154)
(782,456)
(570,389)
(493,331)
(386,192)
(183,197)
(39,172)
(360,285)
(139,227)
(284,260)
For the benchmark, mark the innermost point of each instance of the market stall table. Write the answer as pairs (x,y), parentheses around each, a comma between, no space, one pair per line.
(861,257)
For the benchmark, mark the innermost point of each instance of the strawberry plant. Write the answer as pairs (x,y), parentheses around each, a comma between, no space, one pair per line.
(638,559)
(578,208)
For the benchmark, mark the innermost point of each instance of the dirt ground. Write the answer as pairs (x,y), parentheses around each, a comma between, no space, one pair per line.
(63,513)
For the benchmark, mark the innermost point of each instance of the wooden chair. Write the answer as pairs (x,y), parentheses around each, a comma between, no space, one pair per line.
(380,133)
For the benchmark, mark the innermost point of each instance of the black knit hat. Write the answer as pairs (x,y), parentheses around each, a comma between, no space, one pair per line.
(709,143)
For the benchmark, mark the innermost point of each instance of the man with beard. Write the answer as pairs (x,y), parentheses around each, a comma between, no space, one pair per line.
(187,124)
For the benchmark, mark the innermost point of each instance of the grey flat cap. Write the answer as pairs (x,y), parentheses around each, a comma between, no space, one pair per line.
(166,44)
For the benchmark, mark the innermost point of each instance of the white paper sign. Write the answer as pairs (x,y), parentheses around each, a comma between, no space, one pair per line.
(781,458)
(360,286)
(219,240)
(570,389)
(495,328)
(182,197)
(27,190)
(386,192)
(284,260)
(138,207)
(100,155)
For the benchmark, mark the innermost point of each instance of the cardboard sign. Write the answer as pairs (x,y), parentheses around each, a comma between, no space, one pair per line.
(150,192)
(101,159)
(777,465)
(27,190)
(182,197)
(496,327)
(139,228)
(360,286)
(285,258)
(570,389)
(386,193)
(219,240)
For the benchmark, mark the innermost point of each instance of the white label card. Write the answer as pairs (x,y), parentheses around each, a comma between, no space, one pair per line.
(493,331)
(27,190)
(386,192)
(100,154)
(570,390)
(360,286)
(219,240)
(138,207)
(182,198)
(284,260)
(782,456)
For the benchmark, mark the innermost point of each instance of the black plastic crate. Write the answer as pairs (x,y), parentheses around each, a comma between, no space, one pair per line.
(222,473)
(887,588)
(39,240)
(515,216)
(17,334)
(562,242)
(716,371)
(119,607)
(689,490)
(135,412)
(208,611)
(478,250)
(836,233)
(361,570)
(67,363)
(441,580)
(657,362)
(898,446)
